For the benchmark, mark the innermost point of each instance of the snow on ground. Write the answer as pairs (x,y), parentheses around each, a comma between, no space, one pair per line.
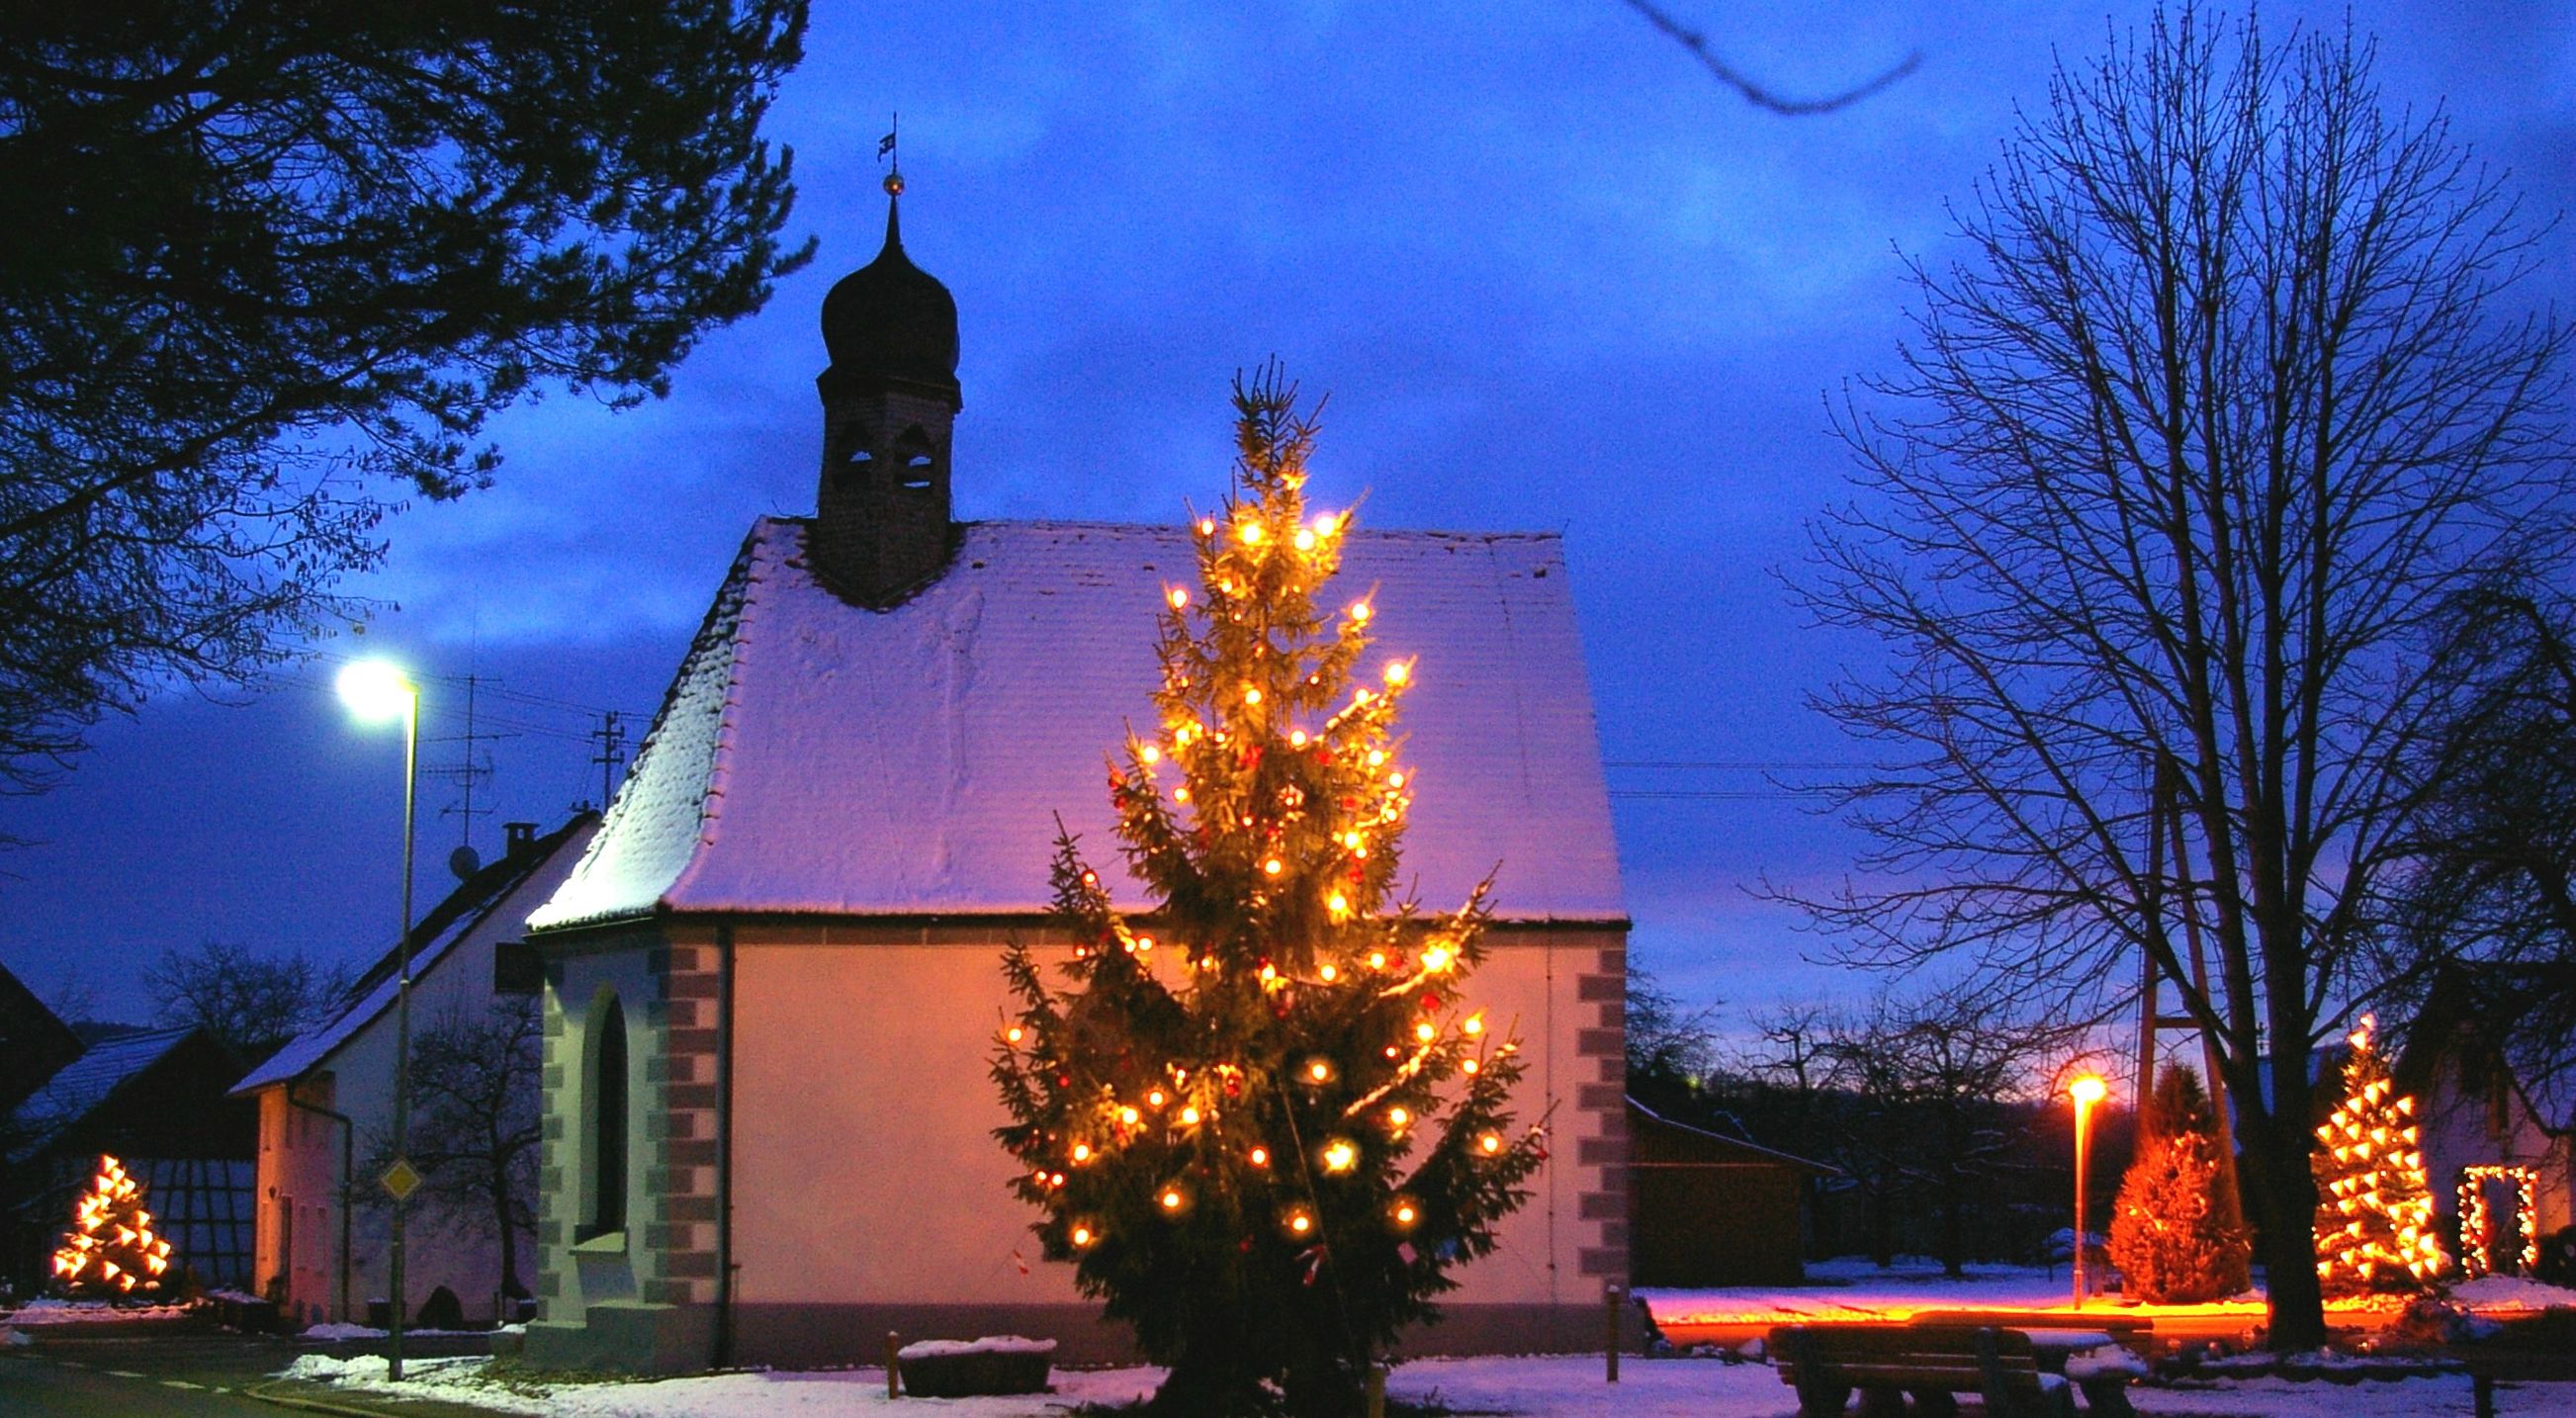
(1557,1387)
(2506,1294)
(42,1312)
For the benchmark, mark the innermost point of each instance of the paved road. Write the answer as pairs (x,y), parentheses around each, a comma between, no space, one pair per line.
(166,1374)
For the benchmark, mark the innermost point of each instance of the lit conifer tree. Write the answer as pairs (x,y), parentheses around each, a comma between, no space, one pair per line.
(2374,1209)
(110,1252)
(2170,1235)
(1261,1120)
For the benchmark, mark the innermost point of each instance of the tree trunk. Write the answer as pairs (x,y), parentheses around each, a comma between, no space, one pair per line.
(2285,1198)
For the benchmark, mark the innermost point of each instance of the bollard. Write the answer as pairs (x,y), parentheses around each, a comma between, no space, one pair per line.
(1610,1331)
(1376,1390)
(2482,1387)
(894,1369)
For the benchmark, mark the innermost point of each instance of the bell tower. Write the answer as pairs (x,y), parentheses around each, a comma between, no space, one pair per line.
(890,397)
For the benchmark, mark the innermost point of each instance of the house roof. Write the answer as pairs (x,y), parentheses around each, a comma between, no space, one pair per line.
(480,909)
(1717,1144)
(816,757)
(2515,1014)
(79,1087)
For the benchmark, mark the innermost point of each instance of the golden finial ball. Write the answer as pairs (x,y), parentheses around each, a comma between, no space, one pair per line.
(894,184)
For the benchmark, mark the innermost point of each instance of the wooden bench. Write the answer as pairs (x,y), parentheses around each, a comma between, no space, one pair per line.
(1886,1362)
(2136,1335)
(2103,1377)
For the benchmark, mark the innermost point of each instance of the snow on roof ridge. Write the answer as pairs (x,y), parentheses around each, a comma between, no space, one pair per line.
(866,762)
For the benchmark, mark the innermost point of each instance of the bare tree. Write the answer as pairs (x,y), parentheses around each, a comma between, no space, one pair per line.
(475,1130)
(255,1003)
(2179,469)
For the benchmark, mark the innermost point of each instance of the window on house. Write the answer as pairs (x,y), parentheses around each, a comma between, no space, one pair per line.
(857,457)
(606,1163)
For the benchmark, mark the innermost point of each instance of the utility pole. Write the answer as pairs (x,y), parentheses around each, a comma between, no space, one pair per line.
(611,738)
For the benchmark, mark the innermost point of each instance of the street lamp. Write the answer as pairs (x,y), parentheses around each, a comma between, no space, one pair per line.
(2086,1091)
(377,692)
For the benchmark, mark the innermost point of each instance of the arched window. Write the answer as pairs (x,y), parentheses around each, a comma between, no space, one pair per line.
(605,1164)
(857,459)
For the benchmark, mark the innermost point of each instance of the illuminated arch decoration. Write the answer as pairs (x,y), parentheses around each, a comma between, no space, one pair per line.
(2477,1221)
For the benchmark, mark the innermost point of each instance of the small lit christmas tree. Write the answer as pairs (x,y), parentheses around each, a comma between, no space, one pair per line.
(110,1251)
(2169,1231)
(1261,1121)
(2375,1210)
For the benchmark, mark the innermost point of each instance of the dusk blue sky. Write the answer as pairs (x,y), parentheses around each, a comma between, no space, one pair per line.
(1552,274)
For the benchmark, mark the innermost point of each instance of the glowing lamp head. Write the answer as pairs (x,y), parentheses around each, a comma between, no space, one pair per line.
(2088,1090)
(1339,1156)
(377,692)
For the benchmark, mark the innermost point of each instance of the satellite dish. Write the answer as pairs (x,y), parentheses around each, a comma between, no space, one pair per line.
(464,862)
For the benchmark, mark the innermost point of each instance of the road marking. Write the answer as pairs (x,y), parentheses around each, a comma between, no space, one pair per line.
(180,1383)
(124,1374)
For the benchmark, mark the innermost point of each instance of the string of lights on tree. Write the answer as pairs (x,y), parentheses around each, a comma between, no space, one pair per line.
(110,1250)
(1262,1119)
(2374,1223)
(2477,1220)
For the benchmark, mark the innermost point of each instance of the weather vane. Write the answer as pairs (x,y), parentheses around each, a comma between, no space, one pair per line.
(886,153)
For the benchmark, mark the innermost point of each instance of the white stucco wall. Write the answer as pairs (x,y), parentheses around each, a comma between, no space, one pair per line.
(2459,1129)
(866,1169)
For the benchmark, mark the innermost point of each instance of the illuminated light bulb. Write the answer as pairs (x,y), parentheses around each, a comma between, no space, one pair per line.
(1425,1032)
(1337,902)
(1144,943)
(1251,694)
(1339,1155)
(1251,534)
(1405,1214)
(1259,1156)
(1393,1052)
(1327,523)
(1376,757)
(1329,973)
(1436,958)
(1082,1235)
(1055,1179)
(1301,1223)
(1319,1070)
(1469,1065)
(1395,780)
(1492,1142)
(1207,526)
(1189,1117)
(1082,1152)
(1269,973)
(1171,1198)
(1305,540)
(1180,597)
(1397,672)
(1180,795)
(1377,959)
(1296,738)
(1150,754)
(1398,1116)
(1015,1033)
(1360,611)
(1475,1024)
(1271,867)
(1128,1116)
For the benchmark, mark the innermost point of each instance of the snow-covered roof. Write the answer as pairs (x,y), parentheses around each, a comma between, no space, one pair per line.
(487,907)
(816,757)
(78,1087)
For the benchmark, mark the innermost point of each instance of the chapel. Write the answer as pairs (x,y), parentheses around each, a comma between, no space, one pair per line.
(772,984)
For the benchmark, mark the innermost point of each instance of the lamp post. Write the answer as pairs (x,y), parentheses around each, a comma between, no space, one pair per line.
(375,692)
(2086,1091)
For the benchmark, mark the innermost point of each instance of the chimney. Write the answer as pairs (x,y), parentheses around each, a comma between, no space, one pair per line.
(520,838)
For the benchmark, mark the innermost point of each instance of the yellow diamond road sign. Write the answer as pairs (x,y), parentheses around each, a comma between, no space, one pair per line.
(401,1179)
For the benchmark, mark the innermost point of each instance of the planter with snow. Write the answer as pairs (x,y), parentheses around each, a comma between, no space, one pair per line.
(951,1368)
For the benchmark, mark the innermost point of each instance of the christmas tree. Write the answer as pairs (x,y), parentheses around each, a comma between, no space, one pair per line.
(2375,1211)
(1260,1118)
(2170,1234)
(110,1251)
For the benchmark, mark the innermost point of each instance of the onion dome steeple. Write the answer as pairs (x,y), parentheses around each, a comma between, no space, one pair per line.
(881,513)
(891,320)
